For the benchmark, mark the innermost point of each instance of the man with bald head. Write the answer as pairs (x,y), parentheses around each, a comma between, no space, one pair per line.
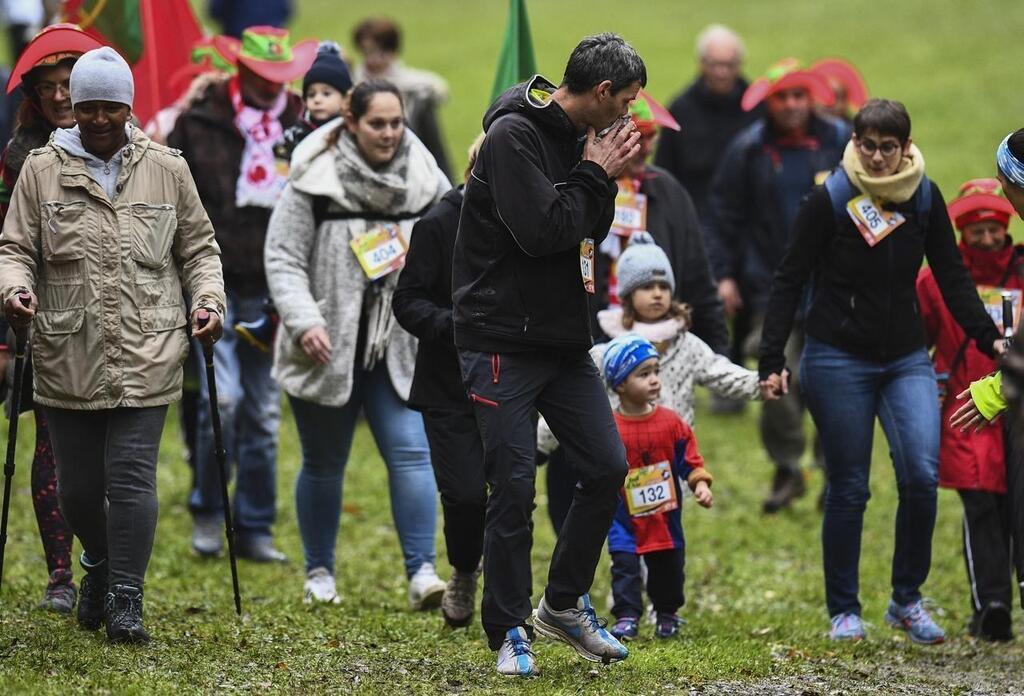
(709,111)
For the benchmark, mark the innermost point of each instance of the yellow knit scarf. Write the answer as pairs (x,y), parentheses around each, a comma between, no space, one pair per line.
(895,188)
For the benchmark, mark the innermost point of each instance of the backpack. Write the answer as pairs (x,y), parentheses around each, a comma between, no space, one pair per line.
(841,190)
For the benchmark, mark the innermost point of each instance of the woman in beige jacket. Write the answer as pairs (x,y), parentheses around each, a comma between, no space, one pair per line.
(103,227)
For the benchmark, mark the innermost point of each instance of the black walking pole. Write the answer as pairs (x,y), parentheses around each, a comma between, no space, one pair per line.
(12,429)
(1007,315)
(222,457)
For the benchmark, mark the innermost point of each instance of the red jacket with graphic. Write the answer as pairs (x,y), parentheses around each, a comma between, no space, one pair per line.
(967,461)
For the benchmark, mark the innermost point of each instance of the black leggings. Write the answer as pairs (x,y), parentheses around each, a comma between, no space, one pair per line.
(109,456)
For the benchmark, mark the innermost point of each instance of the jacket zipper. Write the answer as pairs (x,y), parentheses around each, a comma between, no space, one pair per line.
(495,367)
(476,398)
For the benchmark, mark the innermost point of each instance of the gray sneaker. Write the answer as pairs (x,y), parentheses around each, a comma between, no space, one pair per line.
(60,593)
(515,657)
(259,549)
(207,535)
(581,630)
(459,599)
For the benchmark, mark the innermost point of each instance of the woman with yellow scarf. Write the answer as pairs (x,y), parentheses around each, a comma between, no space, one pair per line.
(857,248)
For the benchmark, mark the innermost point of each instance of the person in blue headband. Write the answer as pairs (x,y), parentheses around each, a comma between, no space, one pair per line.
(623,355)
(1010,161)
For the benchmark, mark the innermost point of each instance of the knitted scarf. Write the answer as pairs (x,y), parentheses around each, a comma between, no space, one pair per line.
(259,180)
(895,188)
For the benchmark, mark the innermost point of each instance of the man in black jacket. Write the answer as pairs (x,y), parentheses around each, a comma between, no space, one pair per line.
(755,194)
(532,217)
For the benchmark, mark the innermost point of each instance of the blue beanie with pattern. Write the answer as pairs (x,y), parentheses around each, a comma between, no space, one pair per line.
(622,355)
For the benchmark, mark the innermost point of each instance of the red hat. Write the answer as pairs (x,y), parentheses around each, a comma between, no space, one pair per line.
(980,200)
(787,74)
(268,52)
(648,114)
(208,54)
(50,46)
(837,71)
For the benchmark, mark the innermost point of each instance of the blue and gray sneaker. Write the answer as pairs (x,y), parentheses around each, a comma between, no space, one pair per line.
(515,657)
(625,628)
(846,626)
(580,629)
(916,621)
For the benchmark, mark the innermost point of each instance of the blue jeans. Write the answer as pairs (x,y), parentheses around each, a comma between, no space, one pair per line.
(250,413)
(844,394)
(325,433)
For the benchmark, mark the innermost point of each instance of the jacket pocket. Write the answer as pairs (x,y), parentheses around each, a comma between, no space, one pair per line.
(165,318)
(59,321)
(63,231)
(152,231)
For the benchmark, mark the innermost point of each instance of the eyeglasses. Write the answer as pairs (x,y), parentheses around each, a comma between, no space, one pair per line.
(888,148)
(47,90)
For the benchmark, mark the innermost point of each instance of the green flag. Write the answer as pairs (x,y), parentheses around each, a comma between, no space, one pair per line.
(118,21)
(516,62)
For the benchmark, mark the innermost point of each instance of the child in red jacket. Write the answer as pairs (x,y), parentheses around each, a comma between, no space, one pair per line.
(975,464)
(661,450)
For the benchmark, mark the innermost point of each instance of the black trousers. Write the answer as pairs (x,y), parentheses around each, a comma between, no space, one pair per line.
(986,540)
(106,482)
(665,580)
(457,455)
(567,390)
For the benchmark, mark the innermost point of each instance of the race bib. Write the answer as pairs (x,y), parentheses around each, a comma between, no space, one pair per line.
(630,213)
(380,251)
(650,490)
(587,264)
(992,298)
(873,223)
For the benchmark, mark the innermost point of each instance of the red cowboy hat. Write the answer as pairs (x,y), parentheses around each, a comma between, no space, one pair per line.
(980,200)
(787,74)
(207,55)
(50,46)
(837,70)
(268,52)
(648,114)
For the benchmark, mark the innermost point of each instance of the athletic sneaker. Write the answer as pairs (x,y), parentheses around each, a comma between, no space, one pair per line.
(459,599)
(916,621)
(992,623)
(626,628)
(667,625)
(580,629)
(425,589)
(515,657)
(60,592)
(320,587)
(846,626)
(207,535)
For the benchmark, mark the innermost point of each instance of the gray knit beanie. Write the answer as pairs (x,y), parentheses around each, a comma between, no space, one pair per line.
(643,262)
(102,75)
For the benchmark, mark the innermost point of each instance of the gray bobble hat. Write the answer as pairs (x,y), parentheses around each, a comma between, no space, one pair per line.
(102,75)
(643,262)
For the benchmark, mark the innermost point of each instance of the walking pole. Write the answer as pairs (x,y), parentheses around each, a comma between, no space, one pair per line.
(1007,315)
(12,429)
(222,457)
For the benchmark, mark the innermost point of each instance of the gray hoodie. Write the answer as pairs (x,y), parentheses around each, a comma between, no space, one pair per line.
(105,173)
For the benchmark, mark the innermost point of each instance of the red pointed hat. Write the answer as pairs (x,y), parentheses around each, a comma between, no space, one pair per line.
(837,70)
(787,74)
(269,53)
(648,114)
(980,200)
(50,46)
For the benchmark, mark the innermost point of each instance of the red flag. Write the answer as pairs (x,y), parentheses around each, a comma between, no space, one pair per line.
(167,28)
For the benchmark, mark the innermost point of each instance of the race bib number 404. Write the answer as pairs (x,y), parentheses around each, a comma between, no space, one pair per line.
(873,223)
(650,490)
(380,251)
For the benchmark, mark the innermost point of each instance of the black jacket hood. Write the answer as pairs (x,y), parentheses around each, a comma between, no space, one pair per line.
(532,99)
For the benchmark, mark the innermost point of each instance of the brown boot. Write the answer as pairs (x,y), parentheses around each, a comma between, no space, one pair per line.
(787,486)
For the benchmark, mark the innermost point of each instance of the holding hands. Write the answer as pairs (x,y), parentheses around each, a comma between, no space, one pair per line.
(775,386)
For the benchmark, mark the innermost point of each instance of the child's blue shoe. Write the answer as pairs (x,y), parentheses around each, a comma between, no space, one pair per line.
(916,621)
(667,625)
(626,628)
(846,626)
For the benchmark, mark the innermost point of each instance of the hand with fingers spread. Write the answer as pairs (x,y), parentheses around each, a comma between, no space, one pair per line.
(967,417)
(614,151)
(317,345)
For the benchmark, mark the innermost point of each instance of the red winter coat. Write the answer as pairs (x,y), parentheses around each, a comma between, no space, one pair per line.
(967,461)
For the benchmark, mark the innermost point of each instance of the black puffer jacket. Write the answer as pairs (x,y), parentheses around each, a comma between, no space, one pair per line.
(529,204)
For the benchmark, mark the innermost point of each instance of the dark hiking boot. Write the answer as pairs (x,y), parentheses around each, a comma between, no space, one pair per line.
(993,623)
(260,333)
(124,615)
(787,486)
(92,594)
(60,592)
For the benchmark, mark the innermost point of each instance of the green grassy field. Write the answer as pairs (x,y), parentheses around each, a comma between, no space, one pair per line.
(755,597)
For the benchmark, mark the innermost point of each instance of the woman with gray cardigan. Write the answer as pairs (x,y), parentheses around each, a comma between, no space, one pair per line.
(334,248)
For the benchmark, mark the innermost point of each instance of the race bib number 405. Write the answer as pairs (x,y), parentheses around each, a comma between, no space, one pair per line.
(873,223)
(380,251)
(650,490)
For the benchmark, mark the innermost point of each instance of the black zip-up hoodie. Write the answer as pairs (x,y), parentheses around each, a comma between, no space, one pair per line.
(529,203)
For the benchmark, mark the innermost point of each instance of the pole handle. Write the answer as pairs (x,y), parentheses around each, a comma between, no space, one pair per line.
(1007,315)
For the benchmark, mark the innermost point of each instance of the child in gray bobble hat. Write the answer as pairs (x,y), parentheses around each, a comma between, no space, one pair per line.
(102,75)
(643,262)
